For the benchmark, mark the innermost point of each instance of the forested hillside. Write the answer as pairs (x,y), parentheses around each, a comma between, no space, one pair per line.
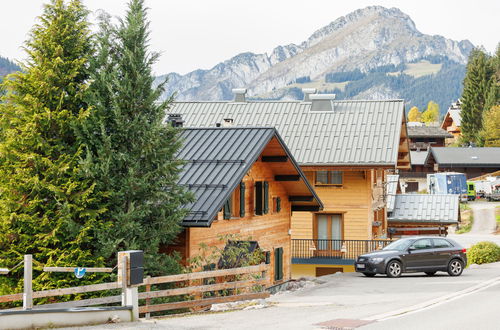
(7,66)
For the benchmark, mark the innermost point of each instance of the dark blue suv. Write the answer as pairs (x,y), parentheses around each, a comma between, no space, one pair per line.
(414,254)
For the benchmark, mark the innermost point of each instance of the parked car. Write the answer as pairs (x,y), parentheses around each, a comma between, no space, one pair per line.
(414,254)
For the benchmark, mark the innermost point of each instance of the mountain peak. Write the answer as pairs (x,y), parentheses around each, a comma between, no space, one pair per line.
(363,15)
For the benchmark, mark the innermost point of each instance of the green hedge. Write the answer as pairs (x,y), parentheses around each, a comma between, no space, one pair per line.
(483,252)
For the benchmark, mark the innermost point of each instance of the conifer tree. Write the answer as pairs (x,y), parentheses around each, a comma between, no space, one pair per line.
(493,95)
(477,83)
(130,153)
(46,208)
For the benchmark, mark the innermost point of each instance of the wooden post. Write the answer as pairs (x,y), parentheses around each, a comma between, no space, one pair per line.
(148,300)
(122,271)
(28,278)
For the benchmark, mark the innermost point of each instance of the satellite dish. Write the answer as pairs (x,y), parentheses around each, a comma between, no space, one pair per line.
(80,272)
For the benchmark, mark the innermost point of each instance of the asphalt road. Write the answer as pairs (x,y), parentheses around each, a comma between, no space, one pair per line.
(478,310)
(353,297)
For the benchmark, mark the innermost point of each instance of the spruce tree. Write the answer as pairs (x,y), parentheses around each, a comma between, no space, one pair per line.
(493,94)
(477,83)
(46,208)
(130,152)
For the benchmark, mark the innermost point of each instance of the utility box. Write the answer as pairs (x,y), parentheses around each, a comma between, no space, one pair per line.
(134,267)
(136,271)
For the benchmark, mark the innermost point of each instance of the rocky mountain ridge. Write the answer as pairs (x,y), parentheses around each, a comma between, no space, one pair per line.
(364,40)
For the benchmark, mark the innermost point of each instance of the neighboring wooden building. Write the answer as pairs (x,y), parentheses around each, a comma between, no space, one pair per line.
(423,137)
(473,162)
(452,122)
(345,149)
(423,214)
(246,183)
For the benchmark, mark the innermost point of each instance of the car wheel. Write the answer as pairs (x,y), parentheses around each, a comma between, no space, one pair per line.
(394,269)
(430,273)
(455,267)
(367,274)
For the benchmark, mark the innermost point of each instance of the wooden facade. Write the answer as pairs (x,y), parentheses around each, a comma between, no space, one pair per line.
(271,230)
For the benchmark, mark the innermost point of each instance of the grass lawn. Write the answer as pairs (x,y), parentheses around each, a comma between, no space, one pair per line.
(467,219)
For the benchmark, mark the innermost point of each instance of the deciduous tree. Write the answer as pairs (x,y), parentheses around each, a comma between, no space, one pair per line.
(431,114)
(414,114)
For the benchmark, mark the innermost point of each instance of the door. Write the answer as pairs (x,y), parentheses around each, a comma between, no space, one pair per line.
(442,252)
(328,233)
(411,187)
(419,255)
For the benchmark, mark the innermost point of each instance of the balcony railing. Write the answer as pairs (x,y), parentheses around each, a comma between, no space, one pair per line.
(334,249)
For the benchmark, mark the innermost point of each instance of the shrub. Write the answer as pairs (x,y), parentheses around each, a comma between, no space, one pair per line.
(483,252)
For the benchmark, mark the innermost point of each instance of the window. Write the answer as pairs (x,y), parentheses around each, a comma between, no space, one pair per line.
(329,177)
(278,264)
(329,227)
(234,207)
(261,197)
(276,204)
(422,244)
(441,243)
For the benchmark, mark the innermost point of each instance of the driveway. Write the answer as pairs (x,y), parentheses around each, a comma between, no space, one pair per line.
(484,217)
(483,227)
(348,297)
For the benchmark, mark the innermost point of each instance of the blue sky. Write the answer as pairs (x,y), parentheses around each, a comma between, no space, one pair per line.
(194,34)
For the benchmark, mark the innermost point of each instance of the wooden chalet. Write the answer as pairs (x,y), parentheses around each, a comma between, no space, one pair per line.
(423,137)
(246,183)
(422,214)
(345,148)
(452,121)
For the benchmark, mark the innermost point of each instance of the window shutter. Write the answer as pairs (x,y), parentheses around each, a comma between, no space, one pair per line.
(278,264)
(278,204)
(258,198)
(242,199)
(266,197)
(227,209)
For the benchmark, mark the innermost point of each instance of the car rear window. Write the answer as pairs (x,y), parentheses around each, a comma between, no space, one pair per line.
(441,243)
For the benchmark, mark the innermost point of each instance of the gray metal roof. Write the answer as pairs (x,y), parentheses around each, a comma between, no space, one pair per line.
(392,188)
(443,209)
(427,131)
(469,157)
(217,160)
(418,157)
(353,133)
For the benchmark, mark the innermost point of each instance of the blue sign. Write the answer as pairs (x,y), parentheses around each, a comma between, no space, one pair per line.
(80,272)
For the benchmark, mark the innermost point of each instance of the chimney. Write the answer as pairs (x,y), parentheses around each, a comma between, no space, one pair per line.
(175,119)
(307,92)
(239,94)
(322,102)
(227,122)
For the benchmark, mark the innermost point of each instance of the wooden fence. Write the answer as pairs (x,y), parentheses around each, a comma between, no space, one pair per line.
(235,288)
(242,283)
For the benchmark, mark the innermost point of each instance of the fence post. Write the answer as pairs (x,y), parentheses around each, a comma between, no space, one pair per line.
(28,278)
(148,300)
(130,296)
